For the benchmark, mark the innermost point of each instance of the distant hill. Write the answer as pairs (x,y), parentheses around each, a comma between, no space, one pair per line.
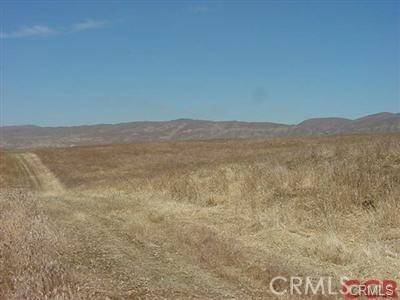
(186,129)
(321,125)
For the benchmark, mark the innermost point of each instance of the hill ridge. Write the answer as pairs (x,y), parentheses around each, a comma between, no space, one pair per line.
(29,136)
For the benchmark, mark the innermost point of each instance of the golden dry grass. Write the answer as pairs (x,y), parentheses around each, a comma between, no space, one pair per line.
(30,266)
(12,173)
(214,219)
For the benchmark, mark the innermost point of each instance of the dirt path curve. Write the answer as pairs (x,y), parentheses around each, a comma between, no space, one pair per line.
(43,179)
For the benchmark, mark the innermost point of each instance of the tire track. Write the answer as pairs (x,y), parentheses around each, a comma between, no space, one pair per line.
(42,178)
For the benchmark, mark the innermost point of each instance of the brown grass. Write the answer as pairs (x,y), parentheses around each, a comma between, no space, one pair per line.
(12,173)
(30,265)
(216,219)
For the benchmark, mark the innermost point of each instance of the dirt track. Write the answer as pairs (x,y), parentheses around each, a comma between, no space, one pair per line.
(120,246)
(42,178)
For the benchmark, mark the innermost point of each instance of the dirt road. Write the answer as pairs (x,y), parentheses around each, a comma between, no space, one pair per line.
(42,178)
(133,246)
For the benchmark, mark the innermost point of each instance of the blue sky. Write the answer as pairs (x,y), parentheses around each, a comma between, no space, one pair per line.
(283,61)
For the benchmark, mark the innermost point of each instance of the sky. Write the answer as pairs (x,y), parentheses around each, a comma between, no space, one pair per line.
(70,63)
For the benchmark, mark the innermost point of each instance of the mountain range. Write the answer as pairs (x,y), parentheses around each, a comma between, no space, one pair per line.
(29,136)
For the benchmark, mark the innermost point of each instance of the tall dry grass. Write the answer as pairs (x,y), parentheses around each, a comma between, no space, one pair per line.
(211,219)
(30,262)
(330,208)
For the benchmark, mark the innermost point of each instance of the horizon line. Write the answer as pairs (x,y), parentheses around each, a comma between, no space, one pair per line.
(199,120)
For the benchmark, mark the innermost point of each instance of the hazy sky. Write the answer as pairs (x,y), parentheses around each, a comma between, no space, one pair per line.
(106,62)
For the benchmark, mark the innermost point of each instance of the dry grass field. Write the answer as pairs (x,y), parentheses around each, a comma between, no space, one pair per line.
(197,219)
